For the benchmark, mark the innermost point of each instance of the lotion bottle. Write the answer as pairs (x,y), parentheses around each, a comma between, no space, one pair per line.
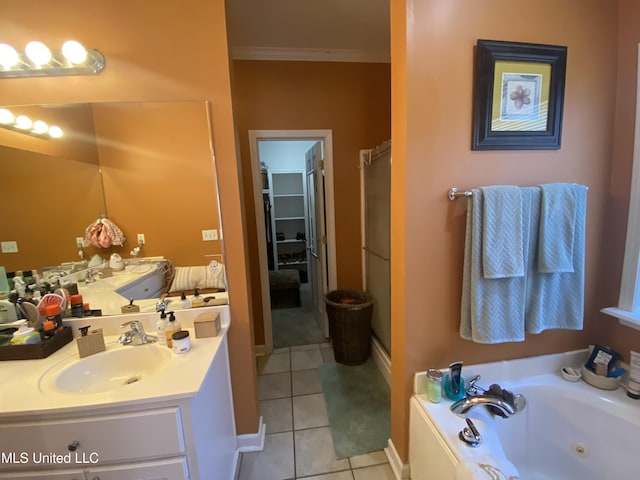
(197,300)
(173,326)
(161,328)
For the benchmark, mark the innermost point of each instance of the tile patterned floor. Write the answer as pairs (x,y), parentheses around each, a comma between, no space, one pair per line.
(298,438)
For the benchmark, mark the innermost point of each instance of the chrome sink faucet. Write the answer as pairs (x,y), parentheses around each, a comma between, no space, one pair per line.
(464,406)
(162,303)
(91,274)
(137,335)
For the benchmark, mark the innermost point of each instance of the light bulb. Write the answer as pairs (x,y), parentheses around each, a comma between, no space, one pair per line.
(74,52)
(6,117)
(38,53)
(8,55)
(55,132)
(40,127)
(23,122)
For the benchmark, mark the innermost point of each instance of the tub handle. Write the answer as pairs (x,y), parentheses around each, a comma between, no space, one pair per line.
(472,388)
(470,434)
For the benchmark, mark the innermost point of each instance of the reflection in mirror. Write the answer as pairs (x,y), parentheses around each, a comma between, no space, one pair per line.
(148,167)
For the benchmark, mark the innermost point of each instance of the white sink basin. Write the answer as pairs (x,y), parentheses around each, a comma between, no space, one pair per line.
(115,368)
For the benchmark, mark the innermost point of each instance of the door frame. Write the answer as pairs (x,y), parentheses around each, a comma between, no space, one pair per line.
(324,136)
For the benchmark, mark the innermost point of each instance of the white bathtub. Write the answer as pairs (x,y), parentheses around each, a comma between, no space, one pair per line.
(567,430)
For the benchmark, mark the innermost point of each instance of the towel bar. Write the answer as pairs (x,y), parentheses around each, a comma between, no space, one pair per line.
(454,193)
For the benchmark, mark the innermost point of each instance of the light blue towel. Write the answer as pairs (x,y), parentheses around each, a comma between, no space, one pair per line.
(492,309)
(503,309)
(556,300)
(502,232)
(558,207)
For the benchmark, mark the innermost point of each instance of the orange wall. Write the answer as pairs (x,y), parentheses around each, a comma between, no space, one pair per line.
(622,339)
(37,176)
(142,152)
(433,154)
(47,203)
(77,139)
(158,177)
(351,99)
(151,56)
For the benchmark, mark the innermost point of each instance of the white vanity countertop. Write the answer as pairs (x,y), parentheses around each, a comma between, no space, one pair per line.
(23,392)
(102,294)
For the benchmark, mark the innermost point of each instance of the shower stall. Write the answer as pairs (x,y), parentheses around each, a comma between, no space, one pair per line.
(375,178)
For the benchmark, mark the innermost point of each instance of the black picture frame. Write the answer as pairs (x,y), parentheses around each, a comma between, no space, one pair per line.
(518,95)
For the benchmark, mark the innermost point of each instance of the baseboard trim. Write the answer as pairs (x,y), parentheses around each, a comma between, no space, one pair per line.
(252,442)
(400,469)
(382,359)
(236,468)
(260,350)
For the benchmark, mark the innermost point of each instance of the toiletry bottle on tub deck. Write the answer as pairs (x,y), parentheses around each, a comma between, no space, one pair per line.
(453,382)
(633,385)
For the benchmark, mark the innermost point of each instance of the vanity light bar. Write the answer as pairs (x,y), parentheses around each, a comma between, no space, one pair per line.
(23,124)
(39,61)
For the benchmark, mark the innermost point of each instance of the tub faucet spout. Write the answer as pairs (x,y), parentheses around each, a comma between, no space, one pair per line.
(464,406)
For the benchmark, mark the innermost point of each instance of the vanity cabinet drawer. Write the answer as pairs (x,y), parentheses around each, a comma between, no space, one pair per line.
(61,475)
(170,469)
(100,439)
(148,286)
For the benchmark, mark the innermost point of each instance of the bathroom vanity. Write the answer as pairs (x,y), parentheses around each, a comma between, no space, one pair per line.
(128,413)
(109,290)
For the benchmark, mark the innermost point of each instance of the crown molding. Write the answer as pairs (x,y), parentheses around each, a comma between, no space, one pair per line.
(310,54)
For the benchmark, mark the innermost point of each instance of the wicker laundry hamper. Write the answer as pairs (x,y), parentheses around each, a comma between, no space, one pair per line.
(349,313)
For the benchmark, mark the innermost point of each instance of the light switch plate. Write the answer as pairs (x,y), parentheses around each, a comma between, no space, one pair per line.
(208,235)
(9,247)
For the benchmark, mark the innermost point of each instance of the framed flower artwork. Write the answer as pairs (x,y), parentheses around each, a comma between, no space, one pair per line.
(518,96)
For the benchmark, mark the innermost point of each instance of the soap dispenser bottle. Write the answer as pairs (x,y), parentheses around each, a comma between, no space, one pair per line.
(453,382)
(197,300)
(184,301)
(161,328)
(173,326)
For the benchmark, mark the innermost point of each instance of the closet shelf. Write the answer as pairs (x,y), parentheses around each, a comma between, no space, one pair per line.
(289,220)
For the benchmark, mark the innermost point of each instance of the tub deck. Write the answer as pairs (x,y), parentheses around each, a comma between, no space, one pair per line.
(568,430)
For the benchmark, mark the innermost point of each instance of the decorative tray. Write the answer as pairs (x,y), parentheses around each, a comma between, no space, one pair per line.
(39,350)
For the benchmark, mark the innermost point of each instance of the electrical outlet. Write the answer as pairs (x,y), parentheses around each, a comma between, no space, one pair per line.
(141,240)
(208,235)
(9,247)
(79,242)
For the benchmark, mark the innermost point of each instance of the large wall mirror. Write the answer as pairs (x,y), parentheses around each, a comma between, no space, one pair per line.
(148,167)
